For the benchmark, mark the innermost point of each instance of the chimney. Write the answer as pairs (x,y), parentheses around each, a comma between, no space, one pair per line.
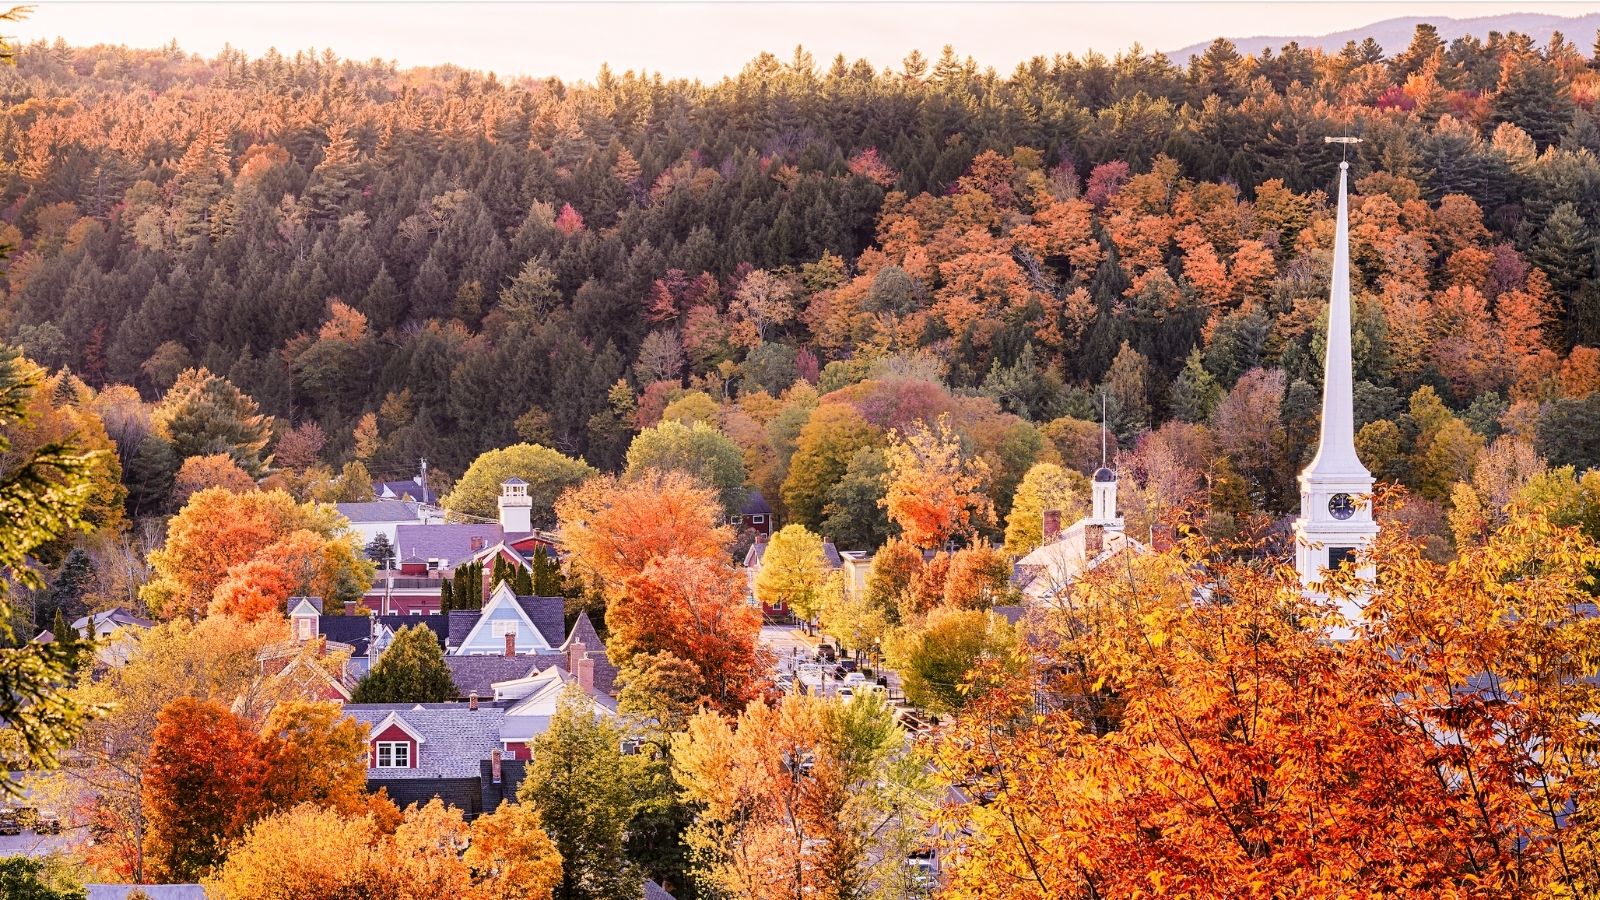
(494,766)
(511,644)
(472,701)
(349,607)
(1094,540)
(1052,525)
(585,674)
(575,653)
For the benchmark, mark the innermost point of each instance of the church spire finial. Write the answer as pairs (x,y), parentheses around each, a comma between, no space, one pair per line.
(1102,431)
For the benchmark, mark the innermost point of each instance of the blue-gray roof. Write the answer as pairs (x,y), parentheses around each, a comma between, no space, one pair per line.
(479,672)
(448,542)
(379,511)
(153,891)
(549,615)
(455,738)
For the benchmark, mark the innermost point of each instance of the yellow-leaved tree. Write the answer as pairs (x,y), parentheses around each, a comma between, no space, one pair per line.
(936,489)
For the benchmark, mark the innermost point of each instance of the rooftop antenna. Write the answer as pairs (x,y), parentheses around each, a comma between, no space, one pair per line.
(1102,431)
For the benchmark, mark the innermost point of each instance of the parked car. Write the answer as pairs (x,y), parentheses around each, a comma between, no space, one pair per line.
(854,678)
(848,664)
(49,822)
(846,694)
(826,653)
(8,822)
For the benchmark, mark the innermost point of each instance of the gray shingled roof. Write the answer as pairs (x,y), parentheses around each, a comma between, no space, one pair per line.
(449,542)
(405,488)
(653,891)
(454,739)
(479,673)
(376,511)
(116,616)
(153,891)
(461,622)
(548,614)
(755,504)
(583,631)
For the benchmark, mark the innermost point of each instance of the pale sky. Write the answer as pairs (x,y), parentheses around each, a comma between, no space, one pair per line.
(705,40)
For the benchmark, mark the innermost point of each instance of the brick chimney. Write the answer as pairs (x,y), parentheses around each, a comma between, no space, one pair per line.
(575,653)
(494,766)
(585,674)
(1052,526)
(472,701)
(349,607)
(511,644)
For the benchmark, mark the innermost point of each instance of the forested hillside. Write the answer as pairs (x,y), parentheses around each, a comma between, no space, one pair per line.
(436,262)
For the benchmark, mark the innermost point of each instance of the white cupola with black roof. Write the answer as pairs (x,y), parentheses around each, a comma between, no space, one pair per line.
(516,507)
(1336,522)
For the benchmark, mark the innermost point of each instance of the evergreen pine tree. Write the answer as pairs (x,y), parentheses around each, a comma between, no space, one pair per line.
(1195,392)
(72,581)
(381,551)
(411,670)
(545,580)
(446,596)
(1565,250)
(522,583)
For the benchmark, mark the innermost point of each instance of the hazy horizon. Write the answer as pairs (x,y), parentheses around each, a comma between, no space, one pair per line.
(705,40)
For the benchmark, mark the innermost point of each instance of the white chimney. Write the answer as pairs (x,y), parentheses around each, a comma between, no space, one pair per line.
(516,507)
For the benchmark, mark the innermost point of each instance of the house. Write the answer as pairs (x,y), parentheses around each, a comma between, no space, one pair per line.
(115,632)
(1066,554)
(375,517)
(308,665)
(756,515)
(420,751)
(413,488)
(509,622)
(431,549)
(150,891)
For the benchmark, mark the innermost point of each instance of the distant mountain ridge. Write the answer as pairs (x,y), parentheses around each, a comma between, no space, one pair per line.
(1395,34)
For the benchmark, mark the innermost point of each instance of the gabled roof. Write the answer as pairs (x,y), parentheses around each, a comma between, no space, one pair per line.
(455,738)
(305,606)
(410,487)
(436,622)
(460,625)
(549,615)
(1050,569)
(755,504)
(381,512)
(353,630)
(452,542)
(117,617)
(478,674)
(531,610)
(583,632)
(394,719)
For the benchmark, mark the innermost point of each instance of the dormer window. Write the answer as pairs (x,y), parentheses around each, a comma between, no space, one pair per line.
(302,628)
(394,755)
(479,543)
(435,564)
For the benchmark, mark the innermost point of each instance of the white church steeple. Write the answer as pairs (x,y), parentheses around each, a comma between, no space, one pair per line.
(1336,521)
(1103,488)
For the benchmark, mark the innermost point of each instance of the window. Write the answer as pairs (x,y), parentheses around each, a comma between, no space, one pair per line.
(435,564)
(736,519)
(394,755)
(501,629)
(1340,555)
(758,519)
(302,627)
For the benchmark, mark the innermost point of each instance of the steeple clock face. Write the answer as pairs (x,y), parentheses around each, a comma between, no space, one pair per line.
(1341,506)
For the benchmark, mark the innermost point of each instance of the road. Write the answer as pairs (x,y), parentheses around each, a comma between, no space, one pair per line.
(795,651)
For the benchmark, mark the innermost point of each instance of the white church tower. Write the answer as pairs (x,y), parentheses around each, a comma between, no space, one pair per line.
(1103,486)
(1336,521)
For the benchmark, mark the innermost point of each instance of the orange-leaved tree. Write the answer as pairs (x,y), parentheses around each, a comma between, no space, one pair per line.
(1187,727)
(613,529)
(936,490)
(218,530)
(694,609)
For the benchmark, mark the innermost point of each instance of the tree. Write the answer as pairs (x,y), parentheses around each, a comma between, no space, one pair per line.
(823,452)
(310,852)
(411,670)
(314,755)
(693,608)
(853,517)
(613,529)
(935,657)
(793,569)
(578,782)
(216,470)
(42,499)
(936,492)
(1163,715)
(979,578)
(204,413)
(23,878)
(696,449)
(1195,392)
(805,798)
(1047,486)
(381,551)
(547,473)
(202,788)
(65,597)
(511,857)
